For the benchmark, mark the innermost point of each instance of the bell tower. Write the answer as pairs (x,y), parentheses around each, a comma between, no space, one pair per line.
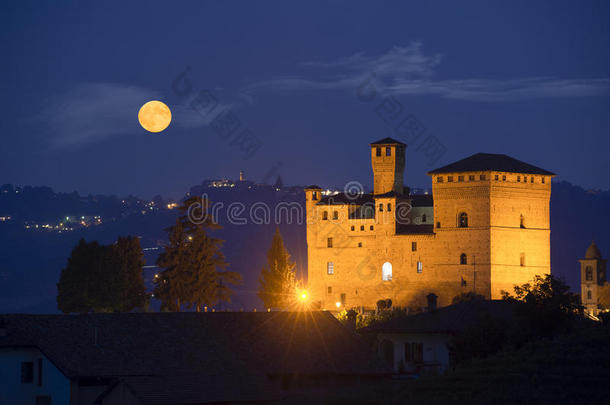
(592,276)
(388,161)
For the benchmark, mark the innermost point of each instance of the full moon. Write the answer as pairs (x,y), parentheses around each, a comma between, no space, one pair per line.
(154,116)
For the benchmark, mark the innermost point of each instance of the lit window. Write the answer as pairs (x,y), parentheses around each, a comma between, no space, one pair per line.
(471,177)
(463,220)
(325,215)
(335,215)
(378,151)
(420,267)
(386,271)
(522,259)
(463,259)
(389,207)
(330,268)
(423,218)
(329,242)
(388,151)
(413,246)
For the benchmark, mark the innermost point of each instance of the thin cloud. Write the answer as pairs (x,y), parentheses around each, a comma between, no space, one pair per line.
(408,71)
(94,112)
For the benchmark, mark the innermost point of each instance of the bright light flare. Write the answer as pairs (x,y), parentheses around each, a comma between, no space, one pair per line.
(303,296)
(338,304)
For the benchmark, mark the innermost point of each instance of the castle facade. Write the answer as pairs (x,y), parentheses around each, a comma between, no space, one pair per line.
(484,229)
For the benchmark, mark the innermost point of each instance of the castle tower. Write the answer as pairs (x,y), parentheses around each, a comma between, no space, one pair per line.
(388,161)
(242,176)
(592,276)
(491,214)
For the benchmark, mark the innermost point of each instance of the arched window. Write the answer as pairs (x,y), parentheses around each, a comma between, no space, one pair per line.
(335,215)
(589,273)
(314,195)
(423,218)
(389,207)
(325,215)
(522,222)
(386,271)
(463,259)
(380,207)
(463,220)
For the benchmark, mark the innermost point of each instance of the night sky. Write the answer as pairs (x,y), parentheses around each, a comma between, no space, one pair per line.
(529,79)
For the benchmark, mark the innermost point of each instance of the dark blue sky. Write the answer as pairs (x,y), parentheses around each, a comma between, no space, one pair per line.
(529,79)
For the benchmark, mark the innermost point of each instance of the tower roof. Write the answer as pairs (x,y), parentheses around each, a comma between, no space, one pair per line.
(482,162)
(593,252)
(388,141)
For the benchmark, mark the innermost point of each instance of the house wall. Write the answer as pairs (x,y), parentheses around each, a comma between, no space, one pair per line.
(14,392)
(435,351)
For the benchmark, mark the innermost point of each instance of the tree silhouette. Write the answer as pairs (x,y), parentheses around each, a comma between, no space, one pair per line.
(277,283)
(194,266)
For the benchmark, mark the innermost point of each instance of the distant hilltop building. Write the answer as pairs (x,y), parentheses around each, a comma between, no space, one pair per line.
(592,279)
(484,229)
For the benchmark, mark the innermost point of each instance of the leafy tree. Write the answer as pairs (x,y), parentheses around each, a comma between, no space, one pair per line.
(194,266)
(102,278)
(544,308)
(604,295)
(277,282)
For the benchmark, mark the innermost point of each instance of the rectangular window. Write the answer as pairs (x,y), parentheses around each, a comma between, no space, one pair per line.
(503,177)
(359,244)
(418,352)
(329,290)
(353,227)
(449,179)
(389,207)
(413,246)
(518,179)
(380,207)
(330,268)
(40,372)
(439,179)
(438,224)
(496,177)
(460,178)
(420,267)
(378,151)
(388,151)
(329,242)
(362,227)
(532,179)
(27,372)
(522,259)
(525,179)
(471,177)
(542,180)
(482,177)
(343,299)
(372,227)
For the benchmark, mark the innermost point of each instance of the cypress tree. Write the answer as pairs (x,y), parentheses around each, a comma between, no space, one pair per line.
(277,282)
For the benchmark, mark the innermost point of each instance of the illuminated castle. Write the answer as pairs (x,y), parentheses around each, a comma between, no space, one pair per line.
(484,229)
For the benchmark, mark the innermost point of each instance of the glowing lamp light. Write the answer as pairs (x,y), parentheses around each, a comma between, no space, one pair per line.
(338,304)
(303,295)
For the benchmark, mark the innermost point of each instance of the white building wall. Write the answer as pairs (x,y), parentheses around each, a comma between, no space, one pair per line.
(14,392)
(435,350)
